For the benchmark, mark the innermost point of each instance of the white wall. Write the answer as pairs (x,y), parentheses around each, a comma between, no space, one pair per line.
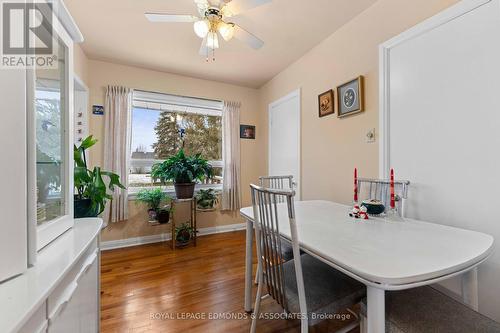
(443,110)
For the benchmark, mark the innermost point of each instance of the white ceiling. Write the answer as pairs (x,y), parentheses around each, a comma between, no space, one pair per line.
(117,31)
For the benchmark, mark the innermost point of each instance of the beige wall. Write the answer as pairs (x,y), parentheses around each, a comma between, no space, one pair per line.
(81,64)
(102,74)
(332,147)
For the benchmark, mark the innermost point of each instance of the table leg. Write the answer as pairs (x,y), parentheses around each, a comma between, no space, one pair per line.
(248,266)
(375,310)
(469,289)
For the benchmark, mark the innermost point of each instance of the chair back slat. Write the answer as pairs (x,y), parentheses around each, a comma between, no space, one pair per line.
(278,183)
(379,189)
(269,249)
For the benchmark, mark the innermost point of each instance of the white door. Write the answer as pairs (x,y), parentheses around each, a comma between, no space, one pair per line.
(284,138)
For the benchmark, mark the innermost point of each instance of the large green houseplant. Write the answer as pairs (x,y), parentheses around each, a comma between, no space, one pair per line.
(91,190)
(183,170)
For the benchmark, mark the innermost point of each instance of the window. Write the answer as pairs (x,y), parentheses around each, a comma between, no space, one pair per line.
(158,120)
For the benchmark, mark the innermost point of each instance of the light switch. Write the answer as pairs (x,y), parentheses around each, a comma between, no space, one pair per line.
(370,136)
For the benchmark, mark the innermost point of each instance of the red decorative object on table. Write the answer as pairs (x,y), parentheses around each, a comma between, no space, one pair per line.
(355,185)
(393,201)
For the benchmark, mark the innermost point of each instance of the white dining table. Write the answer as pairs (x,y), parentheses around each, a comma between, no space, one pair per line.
(380,253)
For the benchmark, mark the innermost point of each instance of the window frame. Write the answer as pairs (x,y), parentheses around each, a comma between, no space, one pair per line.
(158,102)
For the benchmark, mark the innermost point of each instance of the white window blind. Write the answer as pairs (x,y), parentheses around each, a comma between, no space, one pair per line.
(166,102)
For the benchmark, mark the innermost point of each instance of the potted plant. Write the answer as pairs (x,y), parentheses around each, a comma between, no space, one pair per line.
(183,170)
(207,199)
(153,198)
(91,190)
(183,234)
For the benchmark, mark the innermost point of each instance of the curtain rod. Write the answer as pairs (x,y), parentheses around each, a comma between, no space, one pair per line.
(156,92)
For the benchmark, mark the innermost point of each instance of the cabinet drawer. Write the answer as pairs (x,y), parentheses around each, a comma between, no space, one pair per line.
(64,291)
(38,321)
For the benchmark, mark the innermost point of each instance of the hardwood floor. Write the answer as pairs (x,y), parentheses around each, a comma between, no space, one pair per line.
(151,288)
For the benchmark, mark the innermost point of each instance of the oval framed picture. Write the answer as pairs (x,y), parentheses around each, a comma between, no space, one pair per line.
(350,99)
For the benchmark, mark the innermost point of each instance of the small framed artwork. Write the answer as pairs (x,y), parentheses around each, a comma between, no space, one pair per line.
(350,97)
(247,132)
(325,103)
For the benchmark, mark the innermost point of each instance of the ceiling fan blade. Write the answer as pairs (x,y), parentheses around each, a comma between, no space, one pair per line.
(247,38)
(158,17)
(235,7)
(202,6)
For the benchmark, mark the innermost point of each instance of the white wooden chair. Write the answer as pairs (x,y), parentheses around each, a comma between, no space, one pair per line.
(379,189)
(279,183)
(303,285)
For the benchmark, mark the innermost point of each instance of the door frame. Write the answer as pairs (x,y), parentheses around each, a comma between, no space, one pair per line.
(293,94)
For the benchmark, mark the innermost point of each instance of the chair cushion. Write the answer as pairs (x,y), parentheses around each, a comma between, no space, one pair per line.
(287,249)
(426,310)
(328,291)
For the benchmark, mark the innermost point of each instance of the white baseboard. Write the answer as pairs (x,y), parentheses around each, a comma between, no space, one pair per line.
(120,243)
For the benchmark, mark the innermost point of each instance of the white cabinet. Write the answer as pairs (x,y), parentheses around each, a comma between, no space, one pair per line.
(74,305)
(36,131)
(13,240)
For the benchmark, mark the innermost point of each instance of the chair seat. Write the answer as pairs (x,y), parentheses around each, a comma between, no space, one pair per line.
(328,291)
(426,310)
(287,249)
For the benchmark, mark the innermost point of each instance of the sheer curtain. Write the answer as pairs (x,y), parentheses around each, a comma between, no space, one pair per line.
(231,150)
(117,130)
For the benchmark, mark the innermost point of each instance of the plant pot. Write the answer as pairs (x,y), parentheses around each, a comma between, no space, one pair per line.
(153,216)
(206,204)
(83,208)
(183,238)
(163,216)
(184,190)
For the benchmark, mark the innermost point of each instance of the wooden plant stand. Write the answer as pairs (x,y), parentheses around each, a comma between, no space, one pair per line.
(192,220)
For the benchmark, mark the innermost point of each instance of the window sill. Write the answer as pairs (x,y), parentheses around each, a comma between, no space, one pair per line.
(169,190)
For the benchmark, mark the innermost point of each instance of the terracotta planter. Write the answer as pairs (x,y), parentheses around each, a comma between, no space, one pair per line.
(184,190)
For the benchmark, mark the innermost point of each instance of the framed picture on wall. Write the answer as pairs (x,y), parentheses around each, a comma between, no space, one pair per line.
(350,99)
(247,132)
(326,104)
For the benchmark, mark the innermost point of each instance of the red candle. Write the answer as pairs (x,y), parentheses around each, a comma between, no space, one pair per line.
(355,185)
(393,203)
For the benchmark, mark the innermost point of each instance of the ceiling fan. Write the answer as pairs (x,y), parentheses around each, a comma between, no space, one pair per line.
(214,20)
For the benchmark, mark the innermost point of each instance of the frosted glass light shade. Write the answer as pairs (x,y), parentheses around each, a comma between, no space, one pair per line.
(201,28)
(226,30)
(212,41)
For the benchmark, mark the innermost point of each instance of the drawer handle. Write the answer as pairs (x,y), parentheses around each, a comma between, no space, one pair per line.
(86,266)
(68,294)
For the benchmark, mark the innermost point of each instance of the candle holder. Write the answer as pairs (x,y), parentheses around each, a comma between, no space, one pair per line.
(393,215)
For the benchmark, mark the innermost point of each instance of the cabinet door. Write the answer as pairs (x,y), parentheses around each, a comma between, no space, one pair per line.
(77,309)
(89,300)
(13,225)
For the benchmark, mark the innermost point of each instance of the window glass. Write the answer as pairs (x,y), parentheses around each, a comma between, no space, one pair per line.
(156,135)
(50,148)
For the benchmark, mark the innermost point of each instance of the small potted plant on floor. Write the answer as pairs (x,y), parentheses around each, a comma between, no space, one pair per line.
(183,170)
(183,234)
(91,190)
(153,198)
(206,199)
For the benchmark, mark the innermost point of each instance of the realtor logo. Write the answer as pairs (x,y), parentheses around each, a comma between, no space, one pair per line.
(27,35)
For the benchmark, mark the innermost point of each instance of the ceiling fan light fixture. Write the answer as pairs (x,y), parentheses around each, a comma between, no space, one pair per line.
(201,28)
(226,30)
(212,41)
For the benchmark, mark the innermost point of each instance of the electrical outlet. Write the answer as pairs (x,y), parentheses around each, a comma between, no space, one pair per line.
(370,136)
